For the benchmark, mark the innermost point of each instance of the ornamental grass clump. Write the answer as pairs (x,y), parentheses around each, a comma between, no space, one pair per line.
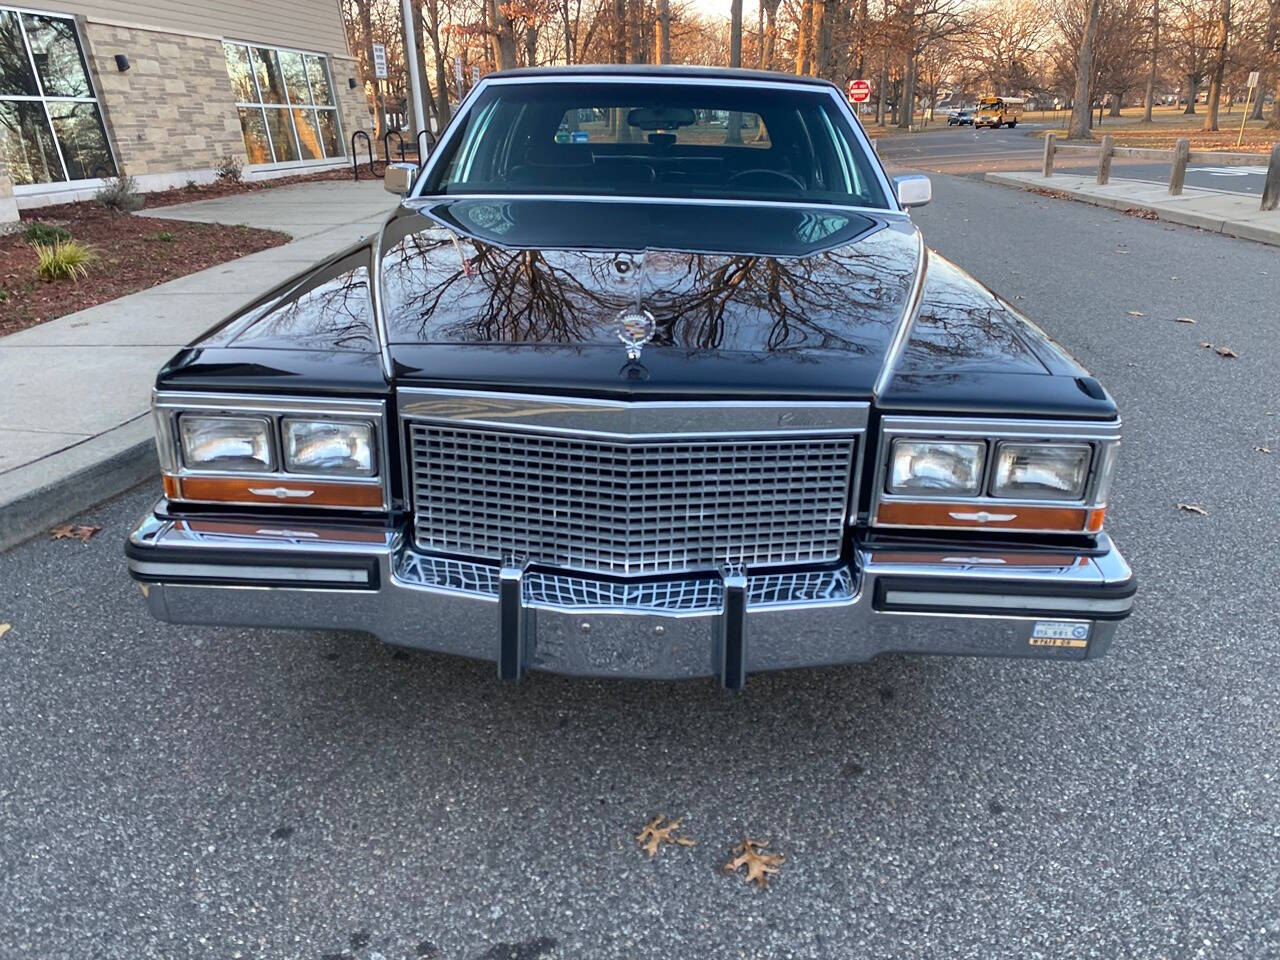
(66,260)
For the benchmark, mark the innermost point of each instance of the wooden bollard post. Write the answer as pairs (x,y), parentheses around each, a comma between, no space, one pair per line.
(1271,186)
(1104,160)
(1050,145)
(1181,154)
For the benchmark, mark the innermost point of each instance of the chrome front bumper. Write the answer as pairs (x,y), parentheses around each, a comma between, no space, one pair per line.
(935,599)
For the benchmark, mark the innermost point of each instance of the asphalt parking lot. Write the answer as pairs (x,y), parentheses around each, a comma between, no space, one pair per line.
(172,793)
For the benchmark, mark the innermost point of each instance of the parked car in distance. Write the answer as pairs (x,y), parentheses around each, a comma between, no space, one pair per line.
(961,117)
(664,399)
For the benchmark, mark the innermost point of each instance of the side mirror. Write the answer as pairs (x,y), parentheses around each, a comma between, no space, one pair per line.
(913,191)
(399,178)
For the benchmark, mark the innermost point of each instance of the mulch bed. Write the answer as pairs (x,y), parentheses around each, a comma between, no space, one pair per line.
(134,253)
(228,188)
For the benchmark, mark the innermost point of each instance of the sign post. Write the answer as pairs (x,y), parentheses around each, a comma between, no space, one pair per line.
(414,66)
(1253,83)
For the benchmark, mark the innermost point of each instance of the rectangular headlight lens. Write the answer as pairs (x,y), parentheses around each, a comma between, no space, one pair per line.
(936,468)
(1031,471)
(340,447)
(225,443)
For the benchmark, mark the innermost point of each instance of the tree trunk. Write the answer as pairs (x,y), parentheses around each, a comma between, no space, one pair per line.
(804,36)
(907,108)
(637,49)
(1155,54)
(1219,66)
(820,45)
(1274,122)
(664,32)
(1082,104)
(770,42)
(531,46)
(366,27)
(1193,91)
(734,132)
(504,37)
(1114,109)
(884,89)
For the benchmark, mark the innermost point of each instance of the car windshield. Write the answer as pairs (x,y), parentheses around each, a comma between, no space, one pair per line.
(746,141)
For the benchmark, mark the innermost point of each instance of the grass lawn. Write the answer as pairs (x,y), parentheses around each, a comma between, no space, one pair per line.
(1170,123)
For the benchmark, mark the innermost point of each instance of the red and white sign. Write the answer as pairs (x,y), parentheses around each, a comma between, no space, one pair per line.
(859,91)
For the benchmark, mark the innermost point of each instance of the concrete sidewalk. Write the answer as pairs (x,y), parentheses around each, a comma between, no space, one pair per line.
(1233,214)
(74,425)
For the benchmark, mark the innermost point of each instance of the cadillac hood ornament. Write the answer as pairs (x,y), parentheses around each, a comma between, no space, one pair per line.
(635,327)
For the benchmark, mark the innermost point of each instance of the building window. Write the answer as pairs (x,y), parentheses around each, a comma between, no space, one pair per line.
(285,98)
(50,122)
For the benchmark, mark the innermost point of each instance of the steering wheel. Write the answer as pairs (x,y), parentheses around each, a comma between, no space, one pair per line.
(769,178)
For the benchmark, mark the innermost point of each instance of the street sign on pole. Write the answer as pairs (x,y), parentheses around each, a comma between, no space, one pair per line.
(380,61)
(859,91)
(414,66)
(475,75)
(1248,96)
(457,72)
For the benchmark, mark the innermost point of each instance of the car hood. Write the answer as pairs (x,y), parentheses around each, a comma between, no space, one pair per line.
(531,292)
(746,299)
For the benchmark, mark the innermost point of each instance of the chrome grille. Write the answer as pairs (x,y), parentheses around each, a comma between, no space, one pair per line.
(629,507)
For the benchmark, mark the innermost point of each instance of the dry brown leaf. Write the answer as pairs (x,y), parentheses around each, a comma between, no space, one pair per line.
(1136,313)
(1226,352)
(1193,508)
(655,834)
(1184,320)
(5,628)
(759,865)
(73,531)
(1261,449)
(1206,344)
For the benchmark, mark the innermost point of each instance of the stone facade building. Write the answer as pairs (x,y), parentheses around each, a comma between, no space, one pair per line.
(168,90)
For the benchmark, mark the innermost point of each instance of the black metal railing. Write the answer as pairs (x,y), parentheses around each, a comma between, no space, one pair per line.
(355,161)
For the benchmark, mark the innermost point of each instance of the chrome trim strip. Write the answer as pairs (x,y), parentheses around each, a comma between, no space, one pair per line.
(630,420)
(1006,601)
(896,216)
(905,323)
(375,298)
(236,571)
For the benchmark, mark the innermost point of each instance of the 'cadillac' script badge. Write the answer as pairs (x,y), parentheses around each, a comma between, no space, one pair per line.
(635,327)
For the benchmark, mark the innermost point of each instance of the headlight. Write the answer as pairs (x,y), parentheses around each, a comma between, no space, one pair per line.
(1030,471)
(936,468)
(226,443)
(328,446)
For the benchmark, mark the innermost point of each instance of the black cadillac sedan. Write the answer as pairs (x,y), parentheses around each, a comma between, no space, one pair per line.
(649,375)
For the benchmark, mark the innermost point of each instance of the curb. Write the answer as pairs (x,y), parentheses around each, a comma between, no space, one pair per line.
(1188,218)
(39,495)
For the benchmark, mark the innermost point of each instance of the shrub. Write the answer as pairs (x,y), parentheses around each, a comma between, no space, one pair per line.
(45,233)
(163,236)
(192,185)
(230,168)
(68,260)
(121,194)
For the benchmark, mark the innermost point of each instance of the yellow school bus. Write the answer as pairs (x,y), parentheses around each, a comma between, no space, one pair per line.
(994,111)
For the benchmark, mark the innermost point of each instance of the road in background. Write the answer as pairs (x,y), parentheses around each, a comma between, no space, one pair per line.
(965,151)
(172,792)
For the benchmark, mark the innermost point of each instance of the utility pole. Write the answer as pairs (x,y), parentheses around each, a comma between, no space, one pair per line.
(414,66)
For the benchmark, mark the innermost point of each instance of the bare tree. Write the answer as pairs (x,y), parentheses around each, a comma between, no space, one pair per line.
(1081,105)
(1219,66)
(1155,59)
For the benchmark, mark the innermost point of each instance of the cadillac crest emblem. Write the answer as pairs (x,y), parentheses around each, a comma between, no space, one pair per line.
(635,328)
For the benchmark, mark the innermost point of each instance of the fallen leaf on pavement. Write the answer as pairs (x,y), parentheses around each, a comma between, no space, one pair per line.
(655,834)
(1193,508)
(1261,449)
(1226,352)
(5,628)
(1206,344)
(1136,313)
(759,865)
(73,531)
(1184,320)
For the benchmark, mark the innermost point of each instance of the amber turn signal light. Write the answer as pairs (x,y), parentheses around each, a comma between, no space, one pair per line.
(274,491)
(991,516)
